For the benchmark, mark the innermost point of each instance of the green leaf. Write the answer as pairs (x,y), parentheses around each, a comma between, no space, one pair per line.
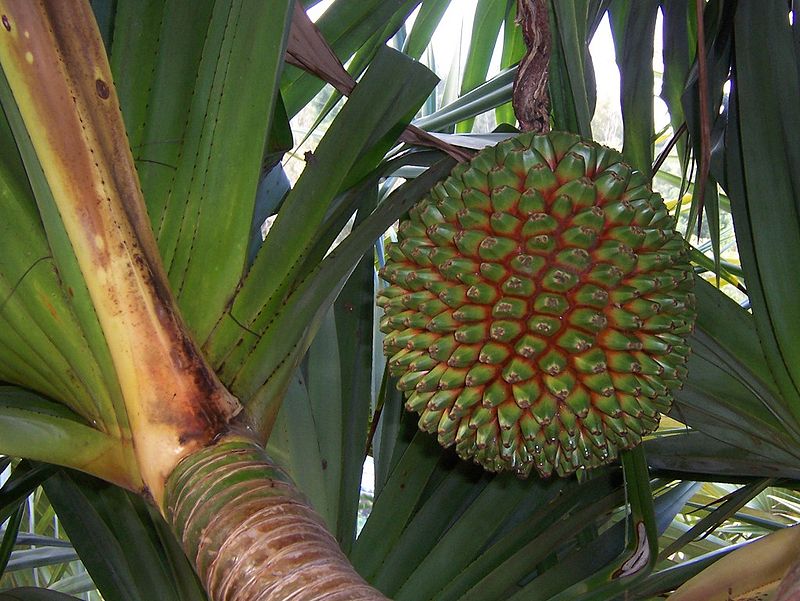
(388,445)
(513,50)
(360,61)
(198,123)
(694,453)
(354,313)
(633,25)
(570,97)
(295,438)
(123,543)
(489,16)
(299,317)
(36,428)
(679,44)
(485,97)
(381,105)
(346,25)
(428,18)
(37,558)
(669,579)
(10,536)
(470,534)
(34,594)
(620,572)
(495,573)
(762,176)
(272,189)
(22,482)
(50,338)
(718,515)
(394,506)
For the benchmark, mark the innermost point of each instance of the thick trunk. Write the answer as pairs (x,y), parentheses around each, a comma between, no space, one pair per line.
(251,534)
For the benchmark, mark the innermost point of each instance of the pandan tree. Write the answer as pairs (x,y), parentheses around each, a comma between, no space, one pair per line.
(198,399)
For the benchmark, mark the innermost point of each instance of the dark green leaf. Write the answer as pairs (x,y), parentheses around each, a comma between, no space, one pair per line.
(633,25)
(120,542)
(34,594)
(489,16)
(22,482)
(428,18)
(570,98)
(346,25)
(762,175)
(10,536)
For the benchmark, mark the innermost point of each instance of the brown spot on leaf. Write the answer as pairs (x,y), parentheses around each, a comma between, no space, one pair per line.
(102,89)
(6,23)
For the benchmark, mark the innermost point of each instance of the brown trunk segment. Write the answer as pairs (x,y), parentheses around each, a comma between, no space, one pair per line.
(251,534)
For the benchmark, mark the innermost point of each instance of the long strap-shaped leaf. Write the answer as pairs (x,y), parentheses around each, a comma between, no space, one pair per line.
(197,84)
(50,339)
(55,63)
(762,178)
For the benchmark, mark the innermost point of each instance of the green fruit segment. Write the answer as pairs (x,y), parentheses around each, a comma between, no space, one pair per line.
(538,307)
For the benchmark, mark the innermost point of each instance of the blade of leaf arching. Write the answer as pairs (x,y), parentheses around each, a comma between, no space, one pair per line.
(428,18)
(389,516)
(513,51)
(28,559)
(323,381)
(51,340)
(287,337)
(719,404)
(669,579)
(489,16)
(119,542)
(730,380)
(354,310)
(324,64)
(730,328)
(633,25)
(272,189)
(24,479)
(382,103)
(34,594)
(567,66)
(199,128)
(346,25)
(10,536)
(577,566)
(295,441)
(694,452)
(485,97)
(505,560)
(431,520)
(471,533)
(495,574)
(33,427)
(387,445)
(679,45)
(632,565)
(763,178)
(717,516)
